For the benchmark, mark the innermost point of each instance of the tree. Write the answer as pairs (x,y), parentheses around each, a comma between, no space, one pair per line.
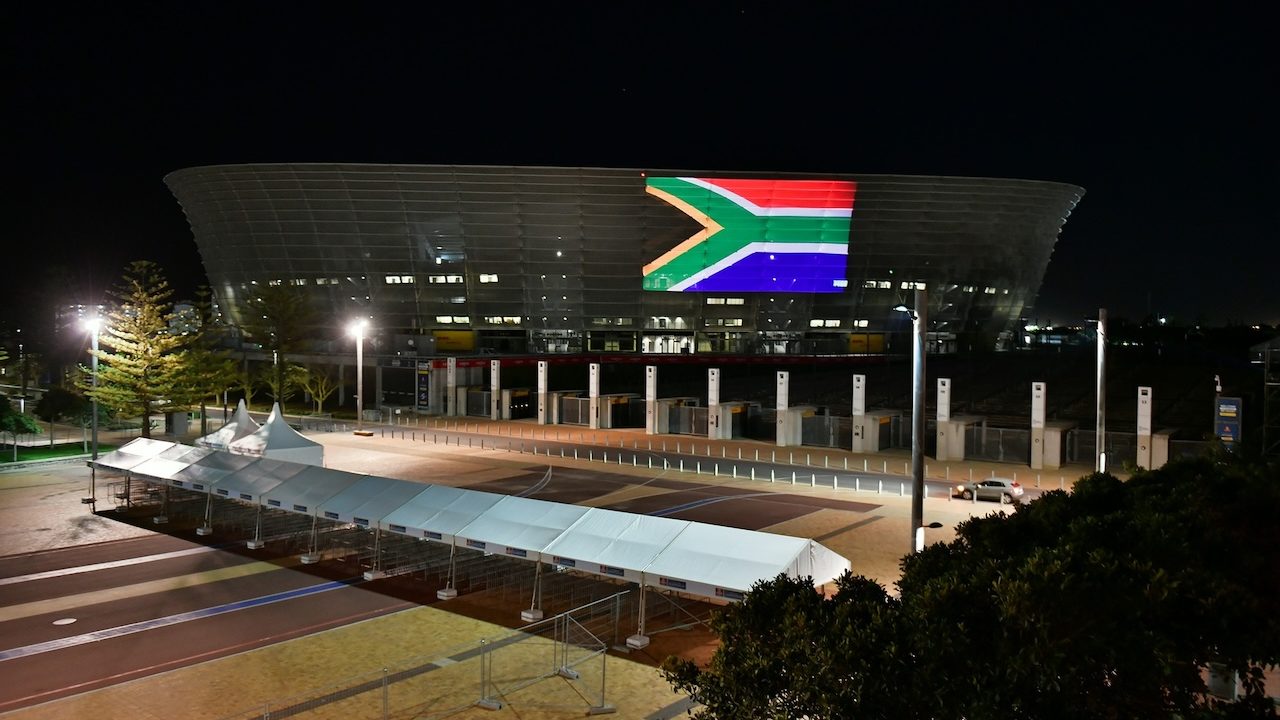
(140,365)
(277,316)
(206,369)
(320,383)
(293,378)
(15,423)
(1109,602)
(60,404)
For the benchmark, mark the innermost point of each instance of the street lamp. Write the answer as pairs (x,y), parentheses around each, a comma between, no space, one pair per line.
(357,329)
(93,325)
(1100,442)
(919,320)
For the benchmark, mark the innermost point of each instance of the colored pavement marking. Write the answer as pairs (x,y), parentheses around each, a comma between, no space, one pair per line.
(70,602)
(103,565)
(706,501)
(144,625)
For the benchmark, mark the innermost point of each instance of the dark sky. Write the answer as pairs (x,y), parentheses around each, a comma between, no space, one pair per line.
(1164,112)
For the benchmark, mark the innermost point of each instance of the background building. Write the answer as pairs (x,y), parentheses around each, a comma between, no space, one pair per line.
(564,260)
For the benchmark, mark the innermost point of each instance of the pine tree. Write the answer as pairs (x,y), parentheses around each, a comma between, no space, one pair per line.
(142,354)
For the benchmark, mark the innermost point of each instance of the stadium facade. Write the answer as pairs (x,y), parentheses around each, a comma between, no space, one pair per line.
(565,260)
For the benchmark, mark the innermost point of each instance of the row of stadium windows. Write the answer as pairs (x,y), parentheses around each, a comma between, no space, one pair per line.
(493,278)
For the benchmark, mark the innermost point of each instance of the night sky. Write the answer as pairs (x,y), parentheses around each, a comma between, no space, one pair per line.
(1163,112)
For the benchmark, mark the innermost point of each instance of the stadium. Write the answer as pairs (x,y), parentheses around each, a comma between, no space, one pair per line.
(541,260)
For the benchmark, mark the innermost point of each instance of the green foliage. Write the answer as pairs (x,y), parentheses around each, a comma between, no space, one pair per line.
(61,404)
(15,423)
(206,370)
(141,364)
(278,316)
(293,377)
(1105,603)
(320,383)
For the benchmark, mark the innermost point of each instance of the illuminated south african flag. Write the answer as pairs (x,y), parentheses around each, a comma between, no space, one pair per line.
(757,236)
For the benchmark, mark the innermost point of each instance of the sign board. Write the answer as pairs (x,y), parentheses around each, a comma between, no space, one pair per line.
(944,400)
(1038,399)
(1144,411)
(713,387)
(1226,422)
(451,386)
(859,394)
(424,386)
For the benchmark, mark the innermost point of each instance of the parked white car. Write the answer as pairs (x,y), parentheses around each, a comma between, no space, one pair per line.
(1002,490)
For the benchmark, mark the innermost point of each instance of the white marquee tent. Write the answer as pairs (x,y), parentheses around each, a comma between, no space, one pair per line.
(277,440)
(692,557)
(241,425)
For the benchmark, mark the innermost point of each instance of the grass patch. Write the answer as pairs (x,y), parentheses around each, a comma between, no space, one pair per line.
(27,454)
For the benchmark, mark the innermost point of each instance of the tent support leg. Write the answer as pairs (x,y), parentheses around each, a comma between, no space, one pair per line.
(377,571)
(534,613)
(639,641)
(207,528)
(312,557)
(448,591)
(256,543)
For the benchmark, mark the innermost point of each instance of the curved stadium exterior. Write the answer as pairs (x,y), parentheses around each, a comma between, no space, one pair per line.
(563,260)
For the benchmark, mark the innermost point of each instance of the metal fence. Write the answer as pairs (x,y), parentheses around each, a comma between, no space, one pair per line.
(506,668)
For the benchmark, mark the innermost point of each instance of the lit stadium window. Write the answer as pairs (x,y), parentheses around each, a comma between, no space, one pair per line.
(489,278)
(861,323)
(840,283)
(444,319)
(715,301)
(274,283)
(989,291)
(736,301)
(393,279)
(407,279)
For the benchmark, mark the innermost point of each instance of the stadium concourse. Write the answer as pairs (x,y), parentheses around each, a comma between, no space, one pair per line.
(864,519)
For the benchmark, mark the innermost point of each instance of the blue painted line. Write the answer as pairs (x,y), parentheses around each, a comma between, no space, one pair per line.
(143,625)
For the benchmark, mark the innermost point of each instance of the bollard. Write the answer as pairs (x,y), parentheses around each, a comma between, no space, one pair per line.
(715,470)
(970,474)
(835,482)
(1062,485)
(1015,476)
(813,480)
(826,462)
(1037,480)
(793,477)
(902,489)
(651,463)
(633,461)
(681,464)
(885,467)
(757,454)
(591,456)
(846,464)
(947,473)
(772,475)
(806,460)
(773,456)
(723,451)
(857,484)
(697,468)
(791,458)
(735,472)
(864,465)
(906,469)
(739,453)
(879,485)
(677,448)
(575,453)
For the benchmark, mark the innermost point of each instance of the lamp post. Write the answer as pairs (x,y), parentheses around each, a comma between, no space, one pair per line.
(1100,442)
(93,325)
(357,329)
(919,320)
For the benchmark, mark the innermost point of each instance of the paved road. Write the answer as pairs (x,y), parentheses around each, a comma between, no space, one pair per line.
(146,605)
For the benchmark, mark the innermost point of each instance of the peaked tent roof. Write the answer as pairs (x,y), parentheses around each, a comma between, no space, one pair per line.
(241,425)
(169,463)
(302,492)
(735,559)
(439,512)
(276,435)
(255,480)
(520,526)
(614,539)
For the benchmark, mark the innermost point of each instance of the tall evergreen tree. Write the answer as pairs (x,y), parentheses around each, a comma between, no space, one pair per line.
(142,354)
(206,369)
(278,317)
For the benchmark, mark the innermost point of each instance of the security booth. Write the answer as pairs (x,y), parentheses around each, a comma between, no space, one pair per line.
(953,433)
(669,419)
(791,425)
(876,430)
(476,401)
(727,420)
(621,410)
(574,407)
(517,404)
(1052,451)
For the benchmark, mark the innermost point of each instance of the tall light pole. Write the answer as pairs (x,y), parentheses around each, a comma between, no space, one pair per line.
(357,329)
(919,321)
(1100,450)
(93,325)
